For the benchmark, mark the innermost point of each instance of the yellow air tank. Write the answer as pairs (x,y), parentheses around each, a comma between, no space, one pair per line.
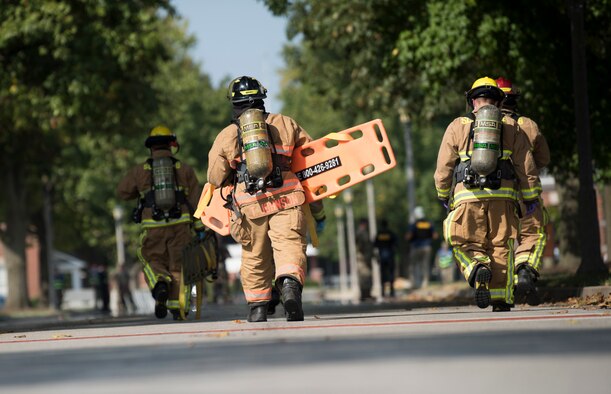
(486,140)
(256,145)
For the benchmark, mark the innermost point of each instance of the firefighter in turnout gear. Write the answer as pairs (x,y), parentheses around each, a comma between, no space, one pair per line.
(532,237)
(166,190)
(254,154)
(482,222)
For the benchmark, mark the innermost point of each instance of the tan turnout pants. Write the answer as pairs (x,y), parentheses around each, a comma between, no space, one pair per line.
(161,256)
(272,245)
(533,237)
(484,232)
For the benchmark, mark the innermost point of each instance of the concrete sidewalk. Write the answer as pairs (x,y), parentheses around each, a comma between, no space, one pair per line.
(316,301)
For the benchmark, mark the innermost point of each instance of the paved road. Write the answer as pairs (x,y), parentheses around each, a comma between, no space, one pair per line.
(338,349)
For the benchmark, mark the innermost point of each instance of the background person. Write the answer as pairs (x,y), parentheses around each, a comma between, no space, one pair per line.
(364,254)
(533,236)
(386,242)
(420,236)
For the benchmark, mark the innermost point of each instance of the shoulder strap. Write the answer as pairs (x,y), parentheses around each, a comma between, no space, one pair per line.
(470,115)
(240,142)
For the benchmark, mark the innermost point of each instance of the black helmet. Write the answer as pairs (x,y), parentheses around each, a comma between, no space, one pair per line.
(245,89)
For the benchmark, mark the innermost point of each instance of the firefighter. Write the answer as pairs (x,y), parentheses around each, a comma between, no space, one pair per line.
(166,190)
(484,162)
(253,153)
(532,237)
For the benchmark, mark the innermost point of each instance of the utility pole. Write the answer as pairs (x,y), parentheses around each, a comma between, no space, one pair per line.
(48,218)
(591,259)
(341,248)
(409,161)
(117,213)
(354,277)
(376,288)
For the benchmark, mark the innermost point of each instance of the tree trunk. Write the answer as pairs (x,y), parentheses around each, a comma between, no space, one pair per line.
(16,230)
(567,230)
(43,256)
(591,260)
(607,218)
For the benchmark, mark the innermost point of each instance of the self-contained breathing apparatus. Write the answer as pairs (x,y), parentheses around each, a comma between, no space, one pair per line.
(164,198)
(259,168)
(483,168)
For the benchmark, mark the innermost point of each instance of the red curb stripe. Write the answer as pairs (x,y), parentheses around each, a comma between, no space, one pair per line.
(316,327)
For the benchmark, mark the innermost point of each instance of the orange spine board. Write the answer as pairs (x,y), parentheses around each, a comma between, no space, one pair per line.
(325,167)
(215,216)
(340,160)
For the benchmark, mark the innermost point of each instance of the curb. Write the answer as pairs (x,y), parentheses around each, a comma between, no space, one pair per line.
(556,294)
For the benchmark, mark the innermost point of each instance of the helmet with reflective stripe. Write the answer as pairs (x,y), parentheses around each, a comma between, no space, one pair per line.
(160,135)
(485,87)
(245,89)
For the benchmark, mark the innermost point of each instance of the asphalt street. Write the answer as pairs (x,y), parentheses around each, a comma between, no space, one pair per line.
(337,349)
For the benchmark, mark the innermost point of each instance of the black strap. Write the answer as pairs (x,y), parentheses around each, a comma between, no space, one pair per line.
(471,116)
(505,167)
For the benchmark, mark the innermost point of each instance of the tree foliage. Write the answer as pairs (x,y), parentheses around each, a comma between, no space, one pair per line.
(364,57)
(82,83)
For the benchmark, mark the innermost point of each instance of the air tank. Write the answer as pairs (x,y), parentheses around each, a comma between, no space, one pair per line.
(486,140)
(163,183)
(256,145)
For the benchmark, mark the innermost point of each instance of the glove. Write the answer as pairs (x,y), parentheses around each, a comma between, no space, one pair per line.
(200,234)
(531,206)
(320,225)
(444,203)
(318,213)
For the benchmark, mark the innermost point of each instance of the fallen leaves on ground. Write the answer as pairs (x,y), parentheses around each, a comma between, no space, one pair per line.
(60,336)
(595,301)
(219,334)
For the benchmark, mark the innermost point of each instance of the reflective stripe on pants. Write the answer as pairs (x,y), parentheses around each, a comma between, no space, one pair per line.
(484,232)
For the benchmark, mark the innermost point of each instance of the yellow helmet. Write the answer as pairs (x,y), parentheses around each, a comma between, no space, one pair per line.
(485,87)
(160,135)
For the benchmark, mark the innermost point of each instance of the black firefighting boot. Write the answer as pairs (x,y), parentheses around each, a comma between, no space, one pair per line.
(161,294)
(176,315)
(257,312)
(480,279)
(526,292)
(500,306)
(273,303)
(291,299)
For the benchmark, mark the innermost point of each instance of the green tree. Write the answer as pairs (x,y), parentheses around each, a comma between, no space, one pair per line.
(370,56)
(185,101)
(70,68)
